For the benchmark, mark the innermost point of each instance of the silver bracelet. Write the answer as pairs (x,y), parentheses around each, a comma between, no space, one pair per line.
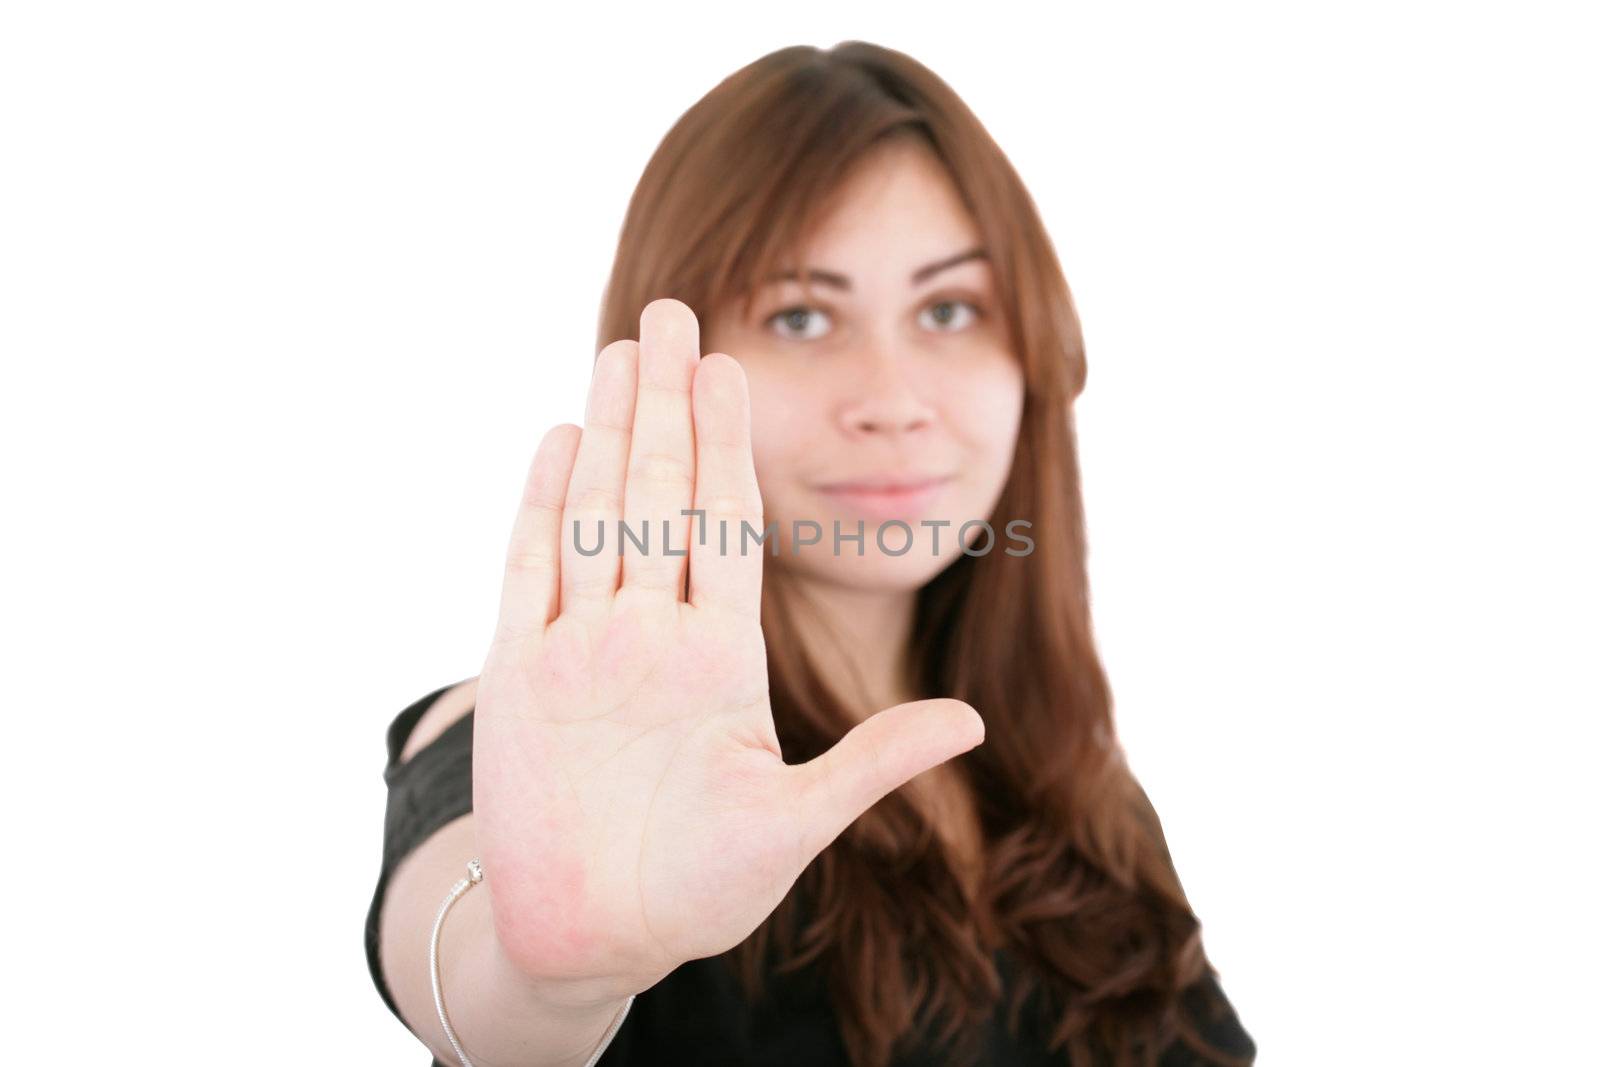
(474,876)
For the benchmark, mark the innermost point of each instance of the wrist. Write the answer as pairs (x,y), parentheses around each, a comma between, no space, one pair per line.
(578,998)
(521,953)
(575,1020)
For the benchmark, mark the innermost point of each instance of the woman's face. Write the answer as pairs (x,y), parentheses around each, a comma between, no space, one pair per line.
(897,370)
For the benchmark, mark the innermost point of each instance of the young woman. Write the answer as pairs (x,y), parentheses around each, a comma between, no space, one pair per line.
(851,794)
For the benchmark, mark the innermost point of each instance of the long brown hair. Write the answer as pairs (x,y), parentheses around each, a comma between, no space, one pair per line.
(1079,886)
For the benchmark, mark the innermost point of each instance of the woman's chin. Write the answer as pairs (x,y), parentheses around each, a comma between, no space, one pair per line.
(872,569)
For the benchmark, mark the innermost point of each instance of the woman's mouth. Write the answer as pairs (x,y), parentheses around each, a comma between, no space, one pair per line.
(887,499)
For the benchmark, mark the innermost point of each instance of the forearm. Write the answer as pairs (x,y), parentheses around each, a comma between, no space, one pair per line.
(498,1014)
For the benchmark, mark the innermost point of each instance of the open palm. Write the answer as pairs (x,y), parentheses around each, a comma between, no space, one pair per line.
(633,809)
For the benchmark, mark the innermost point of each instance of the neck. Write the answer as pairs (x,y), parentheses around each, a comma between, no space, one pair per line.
(860,639)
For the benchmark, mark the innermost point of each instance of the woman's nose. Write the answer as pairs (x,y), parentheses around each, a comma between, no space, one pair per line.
(881,397)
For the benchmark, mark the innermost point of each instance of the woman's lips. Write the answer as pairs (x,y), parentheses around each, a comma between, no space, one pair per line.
(888,502)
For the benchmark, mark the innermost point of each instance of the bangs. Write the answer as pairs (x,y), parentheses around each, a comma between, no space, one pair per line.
(795,201)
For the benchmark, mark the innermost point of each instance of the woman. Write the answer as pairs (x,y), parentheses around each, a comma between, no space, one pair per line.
(691,814)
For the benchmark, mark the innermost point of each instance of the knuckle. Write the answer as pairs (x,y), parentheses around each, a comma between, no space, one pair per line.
(667,390)
(731,506)
(509,637)
(595,499)
(530,560)
(661,468)
(537,501)
(589,580)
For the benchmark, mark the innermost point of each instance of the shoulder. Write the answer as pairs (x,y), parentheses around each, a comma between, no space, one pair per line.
(435,714)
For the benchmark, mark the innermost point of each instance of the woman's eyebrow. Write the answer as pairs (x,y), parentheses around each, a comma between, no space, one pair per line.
(839,281)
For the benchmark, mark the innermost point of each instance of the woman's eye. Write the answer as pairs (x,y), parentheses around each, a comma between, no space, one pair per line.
(799,323)
(947,316)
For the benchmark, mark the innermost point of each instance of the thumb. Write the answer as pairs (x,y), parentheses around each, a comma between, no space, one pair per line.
(876,757)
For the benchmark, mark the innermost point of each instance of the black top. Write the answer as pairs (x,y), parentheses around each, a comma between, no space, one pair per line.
(697,1013)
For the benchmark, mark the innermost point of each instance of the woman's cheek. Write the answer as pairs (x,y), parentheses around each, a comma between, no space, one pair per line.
(989,399)
(771,446)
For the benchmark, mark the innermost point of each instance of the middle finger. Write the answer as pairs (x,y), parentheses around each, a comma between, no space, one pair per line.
(661,467)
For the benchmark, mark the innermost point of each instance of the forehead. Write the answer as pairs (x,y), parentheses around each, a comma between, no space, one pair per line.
(895,211)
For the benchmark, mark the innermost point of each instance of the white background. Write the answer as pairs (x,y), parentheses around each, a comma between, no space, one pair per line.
(289,292)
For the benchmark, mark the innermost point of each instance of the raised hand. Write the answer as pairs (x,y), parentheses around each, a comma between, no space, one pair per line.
(633,809)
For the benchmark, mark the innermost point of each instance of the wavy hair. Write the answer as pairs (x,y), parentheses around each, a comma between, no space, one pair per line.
(1079,886)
